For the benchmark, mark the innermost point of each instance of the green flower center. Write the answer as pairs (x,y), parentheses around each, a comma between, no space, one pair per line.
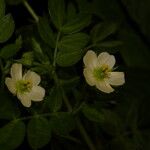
(102,72)
(23,86)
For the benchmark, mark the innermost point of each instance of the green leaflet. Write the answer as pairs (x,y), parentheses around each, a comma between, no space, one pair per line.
(7,26)
(38,132)
(62,123)
(70,48)
(12,135)
(45,32)
(54,100)
(76,24)
(102,31)
(10,50)
(57,12)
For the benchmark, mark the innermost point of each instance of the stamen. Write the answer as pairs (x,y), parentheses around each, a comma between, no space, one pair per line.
(102,72)
(23,86)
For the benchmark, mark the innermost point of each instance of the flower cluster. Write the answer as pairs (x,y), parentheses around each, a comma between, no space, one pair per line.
(98,71)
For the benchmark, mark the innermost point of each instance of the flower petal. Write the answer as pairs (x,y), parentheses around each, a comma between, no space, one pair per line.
(16,71)
(117,78)
(89,76)
(10,85)
(37,93)
(104,87)
(25,99)
(33,77)
(90,59)
(106,59)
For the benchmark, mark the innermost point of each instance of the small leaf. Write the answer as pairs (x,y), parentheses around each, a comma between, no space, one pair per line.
(73,42)
(62,123)
(36,46)
(12,135)
(57,12)
(71,49)
(76,24)
(38,132)
(66,59)
(92,114)
(2,8)
(102,31)
(38,50)
(27,58)
(45,32)
(6,28)
(54,100)
(10,50)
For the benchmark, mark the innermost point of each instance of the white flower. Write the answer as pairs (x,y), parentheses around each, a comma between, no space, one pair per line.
(25,86)
(98,71)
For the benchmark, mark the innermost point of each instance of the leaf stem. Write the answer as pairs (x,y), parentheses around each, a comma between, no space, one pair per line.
(85,135)
(31,11)
(56,49)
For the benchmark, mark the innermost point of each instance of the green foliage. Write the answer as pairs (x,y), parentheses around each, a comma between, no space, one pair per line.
(71,49)
(103,30)
(76,24)
(54,47)
(46,32)
(11,49)
(6,28)
(62,123)
(57,12)
(73,42)
(27,58)
(92,114)
(39,132)
(12,135)
(54,100)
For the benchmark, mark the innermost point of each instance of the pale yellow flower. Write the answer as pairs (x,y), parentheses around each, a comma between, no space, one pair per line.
(99,72)
(25,87)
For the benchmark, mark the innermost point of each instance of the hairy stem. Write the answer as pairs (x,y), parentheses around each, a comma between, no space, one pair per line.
(31,11)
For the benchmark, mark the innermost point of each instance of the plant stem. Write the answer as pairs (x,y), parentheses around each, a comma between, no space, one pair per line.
(80,126)
(85,135)
(66,101)
(31,11)
(56,49)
